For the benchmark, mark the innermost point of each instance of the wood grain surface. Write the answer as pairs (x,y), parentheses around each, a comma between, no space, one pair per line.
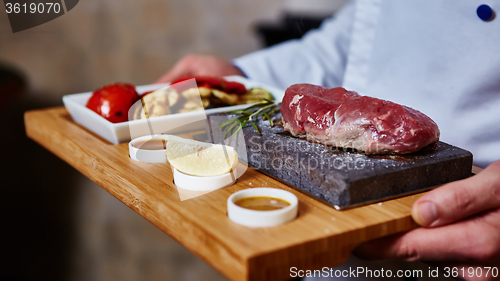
(320,236)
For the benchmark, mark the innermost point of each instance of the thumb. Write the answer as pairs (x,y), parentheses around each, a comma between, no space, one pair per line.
(460,199)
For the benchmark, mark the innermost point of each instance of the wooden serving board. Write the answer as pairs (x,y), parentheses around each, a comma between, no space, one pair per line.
(320,236)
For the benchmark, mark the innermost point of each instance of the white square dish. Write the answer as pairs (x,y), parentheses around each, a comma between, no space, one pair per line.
(173,124)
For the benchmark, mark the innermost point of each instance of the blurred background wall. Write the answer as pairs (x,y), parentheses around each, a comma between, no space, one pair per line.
(102,41)
(58,225)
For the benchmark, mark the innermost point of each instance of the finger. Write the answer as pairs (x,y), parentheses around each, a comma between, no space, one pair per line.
(460,199)
(473,240)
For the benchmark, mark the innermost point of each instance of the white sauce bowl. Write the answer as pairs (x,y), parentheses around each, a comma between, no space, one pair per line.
(254,218)
(196,183)
(147,155)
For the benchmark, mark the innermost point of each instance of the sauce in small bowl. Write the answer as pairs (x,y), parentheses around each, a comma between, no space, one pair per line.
(262,207)
(262,203)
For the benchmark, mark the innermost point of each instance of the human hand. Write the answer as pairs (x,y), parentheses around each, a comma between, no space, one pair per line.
(197,65)
(461,227)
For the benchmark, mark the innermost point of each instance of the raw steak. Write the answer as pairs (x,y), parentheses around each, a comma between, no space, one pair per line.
(346,119)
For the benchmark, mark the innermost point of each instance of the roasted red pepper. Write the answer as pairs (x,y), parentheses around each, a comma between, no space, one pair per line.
(216,83)
(145,93)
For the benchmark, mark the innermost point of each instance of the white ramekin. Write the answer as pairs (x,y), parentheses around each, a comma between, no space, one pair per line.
(255,218)
(145,155)
(195,183)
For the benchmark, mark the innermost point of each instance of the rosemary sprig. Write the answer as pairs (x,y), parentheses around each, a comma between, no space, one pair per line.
(264,108)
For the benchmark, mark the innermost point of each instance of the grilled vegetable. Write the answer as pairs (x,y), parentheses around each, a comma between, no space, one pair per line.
(156,103)
(205,102)
(216,83)
(229,99)
(203,92)
(209,92)
(192,105)
(255,95)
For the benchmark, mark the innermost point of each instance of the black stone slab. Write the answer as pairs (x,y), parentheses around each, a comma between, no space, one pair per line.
(342,177)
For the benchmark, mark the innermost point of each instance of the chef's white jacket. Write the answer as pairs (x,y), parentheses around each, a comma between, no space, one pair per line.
(438,57)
